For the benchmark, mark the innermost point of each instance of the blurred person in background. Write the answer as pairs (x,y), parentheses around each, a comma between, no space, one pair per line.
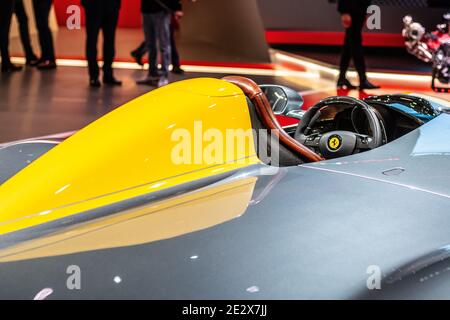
(156,24)
(6,12)
(22,18)
(140,51)
(353,16)
(101,15)
(42,13)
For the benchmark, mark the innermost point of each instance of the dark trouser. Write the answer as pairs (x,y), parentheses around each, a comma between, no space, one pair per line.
(174,50)
(142,49)
(22,17)
(157,32)
(41,12)
(101,18)
(6,11)
(353,49)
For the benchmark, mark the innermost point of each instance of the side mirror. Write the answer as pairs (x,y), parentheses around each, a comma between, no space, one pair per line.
(284,101)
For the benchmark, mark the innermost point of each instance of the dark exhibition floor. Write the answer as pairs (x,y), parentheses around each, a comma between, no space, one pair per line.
(377,59)
(37,103)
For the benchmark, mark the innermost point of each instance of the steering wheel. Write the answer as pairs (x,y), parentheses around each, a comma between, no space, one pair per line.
(340,143)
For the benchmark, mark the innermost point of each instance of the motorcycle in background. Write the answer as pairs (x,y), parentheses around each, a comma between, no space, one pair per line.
(431,47)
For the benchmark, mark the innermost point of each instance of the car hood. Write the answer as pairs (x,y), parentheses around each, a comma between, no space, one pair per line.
(418,160)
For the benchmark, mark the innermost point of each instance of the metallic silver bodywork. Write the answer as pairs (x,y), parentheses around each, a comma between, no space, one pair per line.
(310,232)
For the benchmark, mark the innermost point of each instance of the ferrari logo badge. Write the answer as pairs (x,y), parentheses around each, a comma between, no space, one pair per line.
(334,142)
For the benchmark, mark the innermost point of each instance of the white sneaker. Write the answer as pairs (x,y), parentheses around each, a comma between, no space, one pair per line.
(163,81)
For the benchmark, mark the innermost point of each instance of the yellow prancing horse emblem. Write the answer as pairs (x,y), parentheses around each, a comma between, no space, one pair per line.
(334,142)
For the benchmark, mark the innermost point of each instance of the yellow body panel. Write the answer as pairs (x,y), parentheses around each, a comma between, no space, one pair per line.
(125,154)
(162,220)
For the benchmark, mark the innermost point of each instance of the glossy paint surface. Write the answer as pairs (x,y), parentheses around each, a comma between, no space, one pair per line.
(308,232)
(149,223)
(127,153)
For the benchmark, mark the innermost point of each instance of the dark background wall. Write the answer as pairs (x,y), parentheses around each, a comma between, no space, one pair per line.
(303,15)
(218,30)
(321,15)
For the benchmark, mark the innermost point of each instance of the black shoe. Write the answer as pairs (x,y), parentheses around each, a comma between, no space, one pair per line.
(366,85)
(94,83)
(177,70)
(137,57)
(10,68)
(344,83)
(111,81)
(46,65)
(149,81)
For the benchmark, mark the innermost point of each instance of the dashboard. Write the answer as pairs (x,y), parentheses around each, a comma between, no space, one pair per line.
(348,118)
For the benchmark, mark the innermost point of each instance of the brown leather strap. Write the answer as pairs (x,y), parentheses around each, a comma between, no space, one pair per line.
(264,109)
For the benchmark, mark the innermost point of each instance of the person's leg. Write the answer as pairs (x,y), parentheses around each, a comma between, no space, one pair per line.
(174,50)
(22,18)
(109,27)
(357,53)
(139,53)
(93,20)
(345,62)
(345,56)
(6,11)
(149,24)
(356,49)
(164,20)
(42,11)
